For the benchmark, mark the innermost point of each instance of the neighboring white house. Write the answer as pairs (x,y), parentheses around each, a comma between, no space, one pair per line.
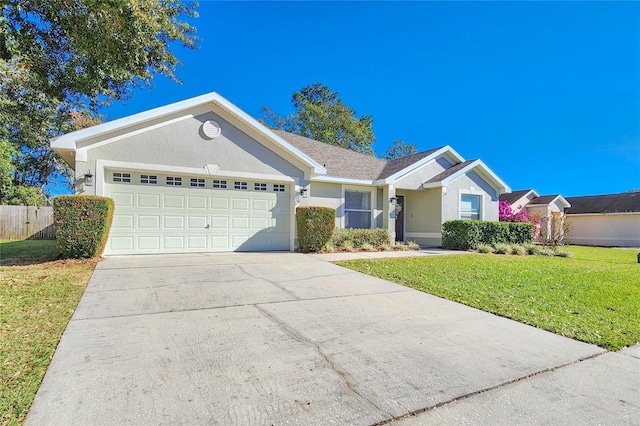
(605,220)
(202,175)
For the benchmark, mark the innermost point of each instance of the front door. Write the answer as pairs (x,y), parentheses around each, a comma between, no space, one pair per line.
(400,218)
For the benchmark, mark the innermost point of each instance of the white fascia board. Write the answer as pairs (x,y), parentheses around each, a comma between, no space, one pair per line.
(444,150)
(346,181)
(71,140)
(563,201)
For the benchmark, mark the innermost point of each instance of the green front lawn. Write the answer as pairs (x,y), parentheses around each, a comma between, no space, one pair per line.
(593,297)
(37,298)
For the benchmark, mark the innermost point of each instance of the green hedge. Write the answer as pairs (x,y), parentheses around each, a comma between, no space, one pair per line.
(82,224)
(520,233)
(315,226)
(460,234)
(468,234)
(358,237)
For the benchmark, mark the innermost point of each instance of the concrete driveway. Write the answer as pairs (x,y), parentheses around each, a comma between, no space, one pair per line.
(286,338)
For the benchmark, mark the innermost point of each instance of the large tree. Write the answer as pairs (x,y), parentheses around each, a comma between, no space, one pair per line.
(321,115)
(399,149)
(61,60)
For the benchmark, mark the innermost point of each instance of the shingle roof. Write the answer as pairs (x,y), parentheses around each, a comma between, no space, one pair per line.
(543,199)
(514,196)
(344,163)
(610,203)
(451,170)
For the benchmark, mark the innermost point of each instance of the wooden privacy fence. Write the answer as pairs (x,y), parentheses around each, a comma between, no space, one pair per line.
(26,222)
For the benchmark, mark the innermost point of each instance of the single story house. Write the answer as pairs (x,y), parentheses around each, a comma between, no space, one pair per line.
(605,220)
(549,209)
(201,175)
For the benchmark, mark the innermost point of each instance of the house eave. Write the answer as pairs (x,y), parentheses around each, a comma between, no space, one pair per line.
(71,141)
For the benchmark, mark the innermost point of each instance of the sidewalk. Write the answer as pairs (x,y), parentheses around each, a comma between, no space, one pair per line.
(335,257)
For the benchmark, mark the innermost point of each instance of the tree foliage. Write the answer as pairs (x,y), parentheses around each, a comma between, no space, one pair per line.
(321,115)
(399,149)
(62,60)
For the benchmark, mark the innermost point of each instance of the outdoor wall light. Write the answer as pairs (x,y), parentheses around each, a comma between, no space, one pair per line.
(393,200)
(88,179)
(302,192)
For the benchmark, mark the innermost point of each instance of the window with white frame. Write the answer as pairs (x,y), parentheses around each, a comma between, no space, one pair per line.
(357,209)
(221,184)
(198,183)
(470,205)
(149,179)
(173,181)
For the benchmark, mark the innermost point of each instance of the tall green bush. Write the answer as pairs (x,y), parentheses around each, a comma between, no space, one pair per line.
(493,233)
(468,234)
(315,226)
(520,232)
(82,224)
(461,234)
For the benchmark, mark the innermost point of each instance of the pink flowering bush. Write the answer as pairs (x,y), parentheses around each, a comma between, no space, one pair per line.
(506,214)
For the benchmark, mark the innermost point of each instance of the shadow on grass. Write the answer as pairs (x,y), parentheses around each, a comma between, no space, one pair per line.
(28,252)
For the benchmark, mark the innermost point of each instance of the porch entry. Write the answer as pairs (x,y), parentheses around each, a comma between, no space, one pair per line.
(400,218)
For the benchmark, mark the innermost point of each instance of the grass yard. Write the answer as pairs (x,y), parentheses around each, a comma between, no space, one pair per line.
(593,296)
(38,295)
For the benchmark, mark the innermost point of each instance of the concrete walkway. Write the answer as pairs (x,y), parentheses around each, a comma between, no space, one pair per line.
(287,338)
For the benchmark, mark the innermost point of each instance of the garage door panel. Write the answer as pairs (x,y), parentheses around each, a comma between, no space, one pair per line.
(174,222)
(261,205)
(117,243)
(219,203)
(149,222)
(173,243)
(149,200)
(197,242)
(174,201)
(220,223)
(122,221)
(149,243)
(261,223)
(173,219)
(197,222)
(197,202)
(124,199)
(220,242)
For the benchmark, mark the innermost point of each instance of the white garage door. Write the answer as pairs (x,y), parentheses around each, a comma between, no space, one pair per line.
(174,214)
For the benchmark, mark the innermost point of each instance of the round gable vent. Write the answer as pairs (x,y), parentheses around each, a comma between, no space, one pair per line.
(211,129)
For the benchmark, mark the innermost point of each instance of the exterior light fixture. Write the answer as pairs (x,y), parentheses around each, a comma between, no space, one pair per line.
(88,178)
(303,191)
(393,200)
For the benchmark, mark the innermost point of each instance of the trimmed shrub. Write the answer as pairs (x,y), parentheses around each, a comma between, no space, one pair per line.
(461,234)
(82,224)
(315,226)
(377,237)
(520,233)
(469,234)
(493,233)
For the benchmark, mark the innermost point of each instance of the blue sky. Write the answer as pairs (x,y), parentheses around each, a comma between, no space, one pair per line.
(547,94)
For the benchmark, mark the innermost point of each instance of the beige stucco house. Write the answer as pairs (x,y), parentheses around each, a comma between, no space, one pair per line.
(611,220)
(548,209)
(202,175)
